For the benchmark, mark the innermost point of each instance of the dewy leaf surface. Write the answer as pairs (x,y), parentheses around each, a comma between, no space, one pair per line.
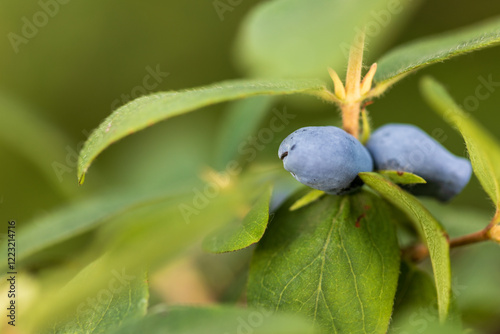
(483,147)
(431,232)
(426,51)
(335,261)
(234,237)
(148,110)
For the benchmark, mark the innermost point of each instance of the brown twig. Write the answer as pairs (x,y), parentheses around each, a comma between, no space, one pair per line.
(419,252)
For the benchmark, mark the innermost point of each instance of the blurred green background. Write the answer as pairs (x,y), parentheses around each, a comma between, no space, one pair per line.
(91,53)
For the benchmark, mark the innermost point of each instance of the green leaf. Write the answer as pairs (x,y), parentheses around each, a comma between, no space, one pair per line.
(234,237)
(76,219)
(298,38)
(35,139)
(308,198)
(417,54)
(148,110)
(415,307)
(147,235)
(415,290)
(210,320)
(483,148)
(431,232)
(416,298)
(335,261)
(124,299)
(241,120)
(401,177)
(476,270)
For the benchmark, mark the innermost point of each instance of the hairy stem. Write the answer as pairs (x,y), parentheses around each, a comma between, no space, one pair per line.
(350,118)
(351,107)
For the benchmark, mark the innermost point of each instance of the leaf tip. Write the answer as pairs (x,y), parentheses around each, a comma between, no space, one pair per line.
(366,83)
(339,88)
(305,200)
(81,179)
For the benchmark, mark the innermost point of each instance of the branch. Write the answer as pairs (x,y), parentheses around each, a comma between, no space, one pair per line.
(419,252)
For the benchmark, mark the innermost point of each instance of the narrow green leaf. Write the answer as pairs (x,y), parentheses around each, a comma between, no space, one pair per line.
(124,299)
(431,232)
(147,235)
(211,320)
(298,38)
(234,237)
(401,177)
(417,54)
(308,198)
(76,219)
(335,261)
(148,110)
(483,147)
(241,120)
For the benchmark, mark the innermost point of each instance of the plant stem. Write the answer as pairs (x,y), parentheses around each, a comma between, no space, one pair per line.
(351,107)
(420,252)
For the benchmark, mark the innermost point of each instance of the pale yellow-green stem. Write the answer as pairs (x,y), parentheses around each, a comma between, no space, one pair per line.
(366,126)
(352,103)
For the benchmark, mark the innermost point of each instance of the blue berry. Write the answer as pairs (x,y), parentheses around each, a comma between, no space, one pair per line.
(325,158)
(405,147)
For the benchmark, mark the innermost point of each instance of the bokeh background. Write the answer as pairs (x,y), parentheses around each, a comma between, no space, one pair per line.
(93,52)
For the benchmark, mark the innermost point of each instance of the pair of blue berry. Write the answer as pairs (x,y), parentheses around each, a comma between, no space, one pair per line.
(328,158)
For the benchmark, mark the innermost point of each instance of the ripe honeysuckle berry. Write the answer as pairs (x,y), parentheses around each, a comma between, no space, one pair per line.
(325,158)
(405,147)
